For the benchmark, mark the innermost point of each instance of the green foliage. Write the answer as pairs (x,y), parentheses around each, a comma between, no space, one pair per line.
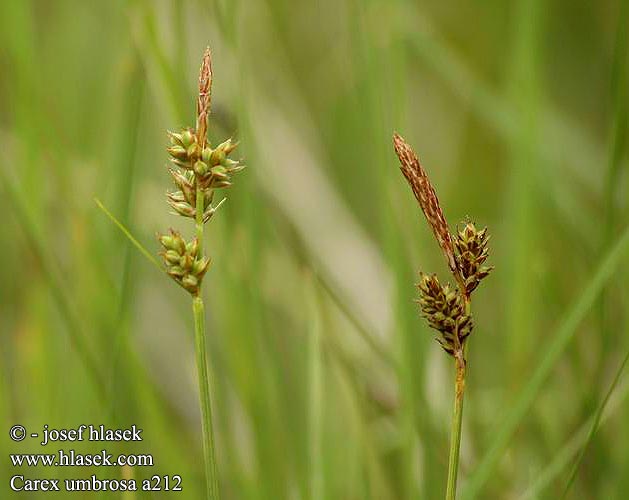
(326,383)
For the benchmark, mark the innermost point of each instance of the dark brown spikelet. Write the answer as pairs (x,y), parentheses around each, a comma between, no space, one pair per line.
(205,97)
(471,249)
(444,308)
(427,198)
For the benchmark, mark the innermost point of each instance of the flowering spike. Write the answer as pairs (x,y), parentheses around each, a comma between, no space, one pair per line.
(427,198)
(205,97)
(471,251)
(444,308)
(183,264)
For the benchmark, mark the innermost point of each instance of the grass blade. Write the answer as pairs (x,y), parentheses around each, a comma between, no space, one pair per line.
(315,392)
(570,449)
(309,261)
(595,424)
(128,234)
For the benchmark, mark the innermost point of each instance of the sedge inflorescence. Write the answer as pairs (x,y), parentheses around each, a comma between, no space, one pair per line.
(446,308)
(205,168)
(183,262)
(198,171)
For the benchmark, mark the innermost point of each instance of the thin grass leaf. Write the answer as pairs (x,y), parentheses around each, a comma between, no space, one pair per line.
(570,449)
(376,480)
(124,166)
(620,121)
(494,109)
(315,393)
(151,48)
(128,234)
(307,259)
(124,162)
(364,331)
(566,144)
(595,424)
(615,162)
(560,339)
(558,464)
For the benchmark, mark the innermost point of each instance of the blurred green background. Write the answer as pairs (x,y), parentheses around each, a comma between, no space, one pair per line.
(327,383)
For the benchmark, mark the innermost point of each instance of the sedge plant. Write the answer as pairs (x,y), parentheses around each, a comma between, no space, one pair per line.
(448,308)
(198,172)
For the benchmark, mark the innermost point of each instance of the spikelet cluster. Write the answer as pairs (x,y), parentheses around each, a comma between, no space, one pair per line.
(446,308)
(471,251)
(205,168)
(198,171)
(182,261)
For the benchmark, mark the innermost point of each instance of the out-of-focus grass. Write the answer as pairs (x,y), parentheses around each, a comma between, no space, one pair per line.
(556,344)
(328,385)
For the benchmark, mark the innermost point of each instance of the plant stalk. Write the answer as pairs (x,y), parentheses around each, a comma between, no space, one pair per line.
(457,418)
(198,310)
(211,476)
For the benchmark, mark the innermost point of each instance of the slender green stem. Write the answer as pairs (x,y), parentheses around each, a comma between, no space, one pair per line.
(211,476)
(455,436)
(459,392)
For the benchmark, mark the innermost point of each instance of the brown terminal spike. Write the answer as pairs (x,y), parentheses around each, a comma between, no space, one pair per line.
(427,198)
(205,97)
